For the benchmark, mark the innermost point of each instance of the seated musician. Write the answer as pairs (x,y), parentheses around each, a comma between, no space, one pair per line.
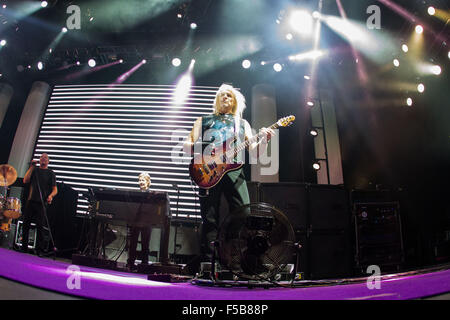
(145,232)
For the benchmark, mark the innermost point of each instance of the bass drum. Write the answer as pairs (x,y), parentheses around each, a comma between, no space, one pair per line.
(12,208)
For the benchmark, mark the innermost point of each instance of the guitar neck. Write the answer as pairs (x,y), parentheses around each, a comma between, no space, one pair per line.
(232,153)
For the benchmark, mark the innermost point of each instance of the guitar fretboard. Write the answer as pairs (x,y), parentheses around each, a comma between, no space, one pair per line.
(231,154)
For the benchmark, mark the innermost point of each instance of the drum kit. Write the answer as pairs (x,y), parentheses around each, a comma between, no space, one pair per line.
(10,207)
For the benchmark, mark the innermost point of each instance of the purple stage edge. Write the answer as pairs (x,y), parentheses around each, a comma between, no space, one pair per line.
(93,283)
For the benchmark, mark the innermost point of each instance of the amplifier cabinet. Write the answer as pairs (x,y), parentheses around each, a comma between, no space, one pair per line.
(378,233)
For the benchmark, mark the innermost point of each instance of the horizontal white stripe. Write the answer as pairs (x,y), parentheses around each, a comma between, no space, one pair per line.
(175,149)
(135,172)
(96,143)
(172,118)
(69,121)
(196,104)
(109,139)
(109,164)
(105,153)
(113,159)
(121,85)
(94,118)
(98,96)
(175,133)
(119,176)
(174,113)
(112,133)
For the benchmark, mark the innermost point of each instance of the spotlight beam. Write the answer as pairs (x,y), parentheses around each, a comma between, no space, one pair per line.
(89,70)
(127,74)
(411,18)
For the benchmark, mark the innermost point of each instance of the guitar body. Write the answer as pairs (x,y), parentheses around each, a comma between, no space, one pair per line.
(207,171)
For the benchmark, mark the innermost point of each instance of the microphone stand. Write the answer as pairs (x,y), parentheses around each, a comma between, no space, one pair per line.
(176,226)
(54,250)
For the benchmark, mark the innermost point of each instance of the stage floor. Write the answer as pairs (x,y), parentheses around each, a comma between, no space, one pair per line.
(34,276)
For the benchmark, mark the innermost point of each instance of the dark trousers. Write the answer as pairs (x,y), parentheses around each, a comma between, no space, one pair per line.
(33,213)
(145,243)
(234,188)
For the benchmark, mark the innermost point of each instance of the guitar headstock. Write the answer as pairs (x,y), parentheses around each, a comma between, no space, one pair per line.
(286,121)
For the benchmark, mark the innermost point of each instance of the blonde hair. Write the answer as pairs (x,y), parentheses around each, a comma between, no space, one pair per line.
(146,176)
(239,100)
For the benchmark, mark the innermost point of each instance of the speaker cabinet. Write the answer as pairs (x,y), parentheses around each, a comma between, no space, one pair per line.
(290,198)
(320,216)
(328,207)
(329,255)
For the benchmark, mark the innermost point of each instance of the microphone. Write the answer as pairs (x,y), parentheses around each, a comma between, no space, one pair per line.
(175,185)
(91,192)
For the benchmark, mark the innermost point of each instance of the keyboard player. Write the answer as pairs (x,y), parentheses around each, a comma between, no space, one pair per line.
(145,232)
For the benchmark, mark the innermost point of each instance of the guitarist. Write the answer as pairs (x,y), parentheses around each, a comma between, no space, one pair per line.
(225,122)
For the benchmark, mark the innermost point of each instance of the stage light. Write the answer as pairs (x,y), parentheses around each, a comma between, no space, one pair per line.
(436,70)
(246,64)
(3,42)
(316,15)
(277,67)
(263,63)
(420,87)
(313,132)
(307,77)
(419,29)
(78,63)
(4,6)
(144,61)
(310,103)
(301,21)
(91,19)
(289,36)
(121,61)
(431,11)
(176,62)
(396,62)
(92,63)
(44,4)
(64,29)
(40,65)
(409,102)
(405,48)
(179,15)
(193,26)
(316,166)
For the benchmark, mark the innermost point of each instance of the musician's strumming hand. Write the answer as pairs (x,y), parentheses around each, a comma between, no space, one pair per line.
(49,199)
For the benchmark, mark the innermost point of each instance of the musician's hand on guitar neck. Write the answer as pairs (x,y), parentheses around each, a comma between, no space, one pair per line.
(267,134)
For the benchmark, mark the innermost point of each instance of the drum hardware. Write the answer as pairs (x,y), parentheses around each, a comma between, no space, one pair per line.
(8,175)
(10,207)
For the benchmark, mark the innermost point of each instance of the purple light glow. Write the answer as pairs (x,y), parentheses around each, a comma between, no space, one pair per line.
(127,74)
(90,70)
(411,18)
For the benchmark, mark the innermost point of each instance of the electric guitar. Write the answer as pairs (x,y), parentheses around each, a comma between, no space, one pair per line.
(207,170)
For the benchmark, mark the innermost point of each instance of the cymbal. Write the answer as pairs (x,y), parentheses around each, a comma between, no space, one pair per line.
(8,175)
